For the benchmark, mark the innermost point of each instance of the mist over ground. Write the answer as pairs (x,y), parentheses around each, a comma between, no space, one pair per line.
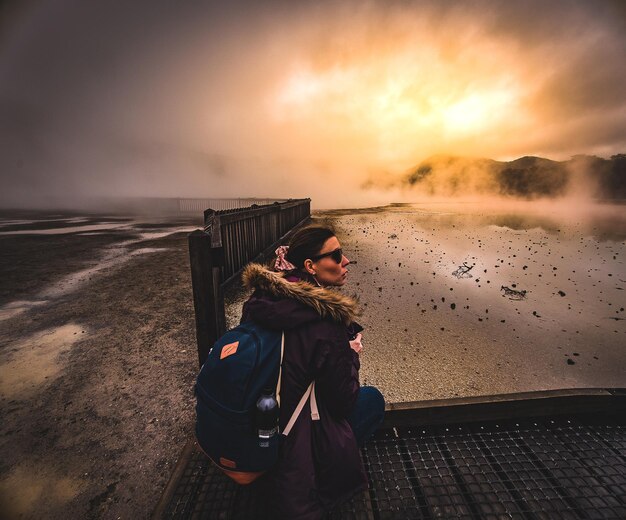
(334,101)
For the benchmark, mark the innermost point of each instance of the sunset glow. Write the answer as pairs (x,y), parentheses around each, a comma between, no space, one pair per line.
(406,102)
(400,103)
(266,94)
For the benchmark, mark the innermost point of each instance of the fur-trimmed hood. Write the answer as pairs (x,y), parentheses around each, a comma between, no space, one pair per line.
(325,302)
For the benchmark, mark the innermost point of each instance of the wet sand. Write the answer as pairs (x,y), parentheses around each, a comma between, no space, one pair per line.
(97,337)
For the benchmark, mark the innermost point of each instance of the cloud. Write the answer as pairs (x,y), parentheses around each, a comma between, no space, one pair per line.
(275,97)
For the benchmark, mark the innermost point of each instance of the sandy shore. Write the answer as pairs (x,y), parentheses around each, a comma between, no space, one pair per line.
(97,338)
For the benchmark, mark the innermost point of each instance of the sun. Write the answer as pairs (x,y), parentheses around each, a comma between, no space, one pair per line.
(477,111)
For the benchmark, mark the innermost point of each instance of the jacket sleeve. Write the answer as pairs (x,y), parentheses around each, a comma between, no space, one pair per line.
(337,379)
(353,329)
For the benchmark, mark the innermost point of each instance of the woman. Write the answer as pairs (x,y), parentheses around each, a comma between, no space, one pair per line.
(319,463)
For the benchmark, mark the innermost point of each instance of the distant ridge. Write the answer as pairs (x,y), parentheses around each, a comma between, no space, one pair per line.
(526,177)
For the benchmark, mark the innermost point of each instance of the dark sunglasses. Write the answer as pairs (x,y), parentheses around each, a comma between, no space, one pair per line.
(336,255)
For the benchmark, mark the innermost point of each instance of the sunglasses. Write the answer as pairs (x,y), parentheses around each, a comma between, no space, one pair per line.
(336,255)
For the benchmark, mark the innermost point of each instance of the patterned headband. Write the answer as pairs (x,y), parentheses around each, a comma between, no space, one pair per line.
(282,264)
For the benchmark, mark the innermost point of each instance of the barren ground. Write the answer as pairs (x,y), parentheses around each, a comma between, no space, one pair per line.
(96,391)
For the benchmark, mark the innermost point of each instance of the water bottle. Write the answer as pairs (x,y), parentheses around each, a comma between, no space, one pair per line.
(267,417)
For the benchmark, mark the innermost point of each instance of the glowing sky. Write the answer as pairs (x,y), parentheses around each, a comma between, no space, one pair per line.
(296,98)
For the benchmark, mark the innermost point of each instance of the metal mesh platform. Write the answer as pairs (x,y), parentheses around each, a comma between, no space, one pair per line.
(571,467)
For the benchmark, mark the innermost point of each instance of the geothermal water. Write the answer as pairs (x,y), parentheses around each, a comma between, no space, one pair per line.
(538,304)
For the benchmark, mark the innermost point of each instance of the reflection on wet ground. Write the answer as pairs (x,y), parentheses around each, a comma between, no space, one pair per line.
(80,315)
(429,333)
(432,334)
(114,255)
(35,360)
(602,221)
(30,489)
(66,229)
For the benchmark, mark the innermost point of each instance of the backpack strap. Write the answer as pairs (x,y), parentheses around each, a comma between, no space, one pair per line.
(310,391)
(315,415)
(280,367)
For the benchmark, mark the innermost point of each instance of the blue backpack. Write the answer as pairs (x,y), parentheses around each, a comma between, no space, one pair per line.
(243,362)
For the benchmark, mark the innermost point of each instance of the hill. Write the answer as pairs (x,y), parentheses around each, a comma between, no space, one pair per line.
(526,177)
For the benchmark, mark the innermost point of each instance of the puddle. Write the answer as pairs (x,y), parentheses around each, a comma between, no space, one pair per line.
(30,488)
(469,335)
(113,257)
(73,281)
(146,236)
(146,250)
(162,234)
(34,361)
(66,230)
(10,310)
(21,222)
(5,223)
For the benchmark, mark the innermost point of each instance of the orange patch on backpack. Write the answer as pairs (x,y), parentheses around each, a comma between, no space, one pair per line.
(229,349)
(227,463)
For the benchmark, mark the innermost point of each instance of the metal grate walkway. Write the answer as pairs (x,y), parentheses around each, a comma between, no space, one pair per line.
(571,467)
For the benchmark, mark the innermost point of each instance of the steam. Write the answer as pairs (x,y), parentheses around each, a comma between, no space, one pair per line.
(336,101)
(582,178)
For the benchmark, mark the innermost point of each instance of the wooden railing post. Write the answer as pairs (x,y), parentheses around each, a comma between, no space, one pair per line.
(206,258)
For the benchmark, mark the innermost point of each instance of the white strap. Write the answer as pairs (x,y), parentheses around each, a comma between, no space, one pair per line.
(280,368)
(315,415)
(310,391)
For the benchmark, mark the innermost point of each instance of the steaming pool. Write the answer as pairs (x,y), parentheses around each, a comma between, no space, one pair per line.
(537,304)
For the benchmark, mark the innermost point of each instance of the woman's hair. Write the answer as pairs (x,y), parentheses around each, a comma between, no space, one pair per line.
(307,242)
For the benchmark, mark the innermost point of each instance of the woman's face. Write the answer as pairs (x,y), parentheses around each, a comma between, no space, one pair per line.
(326,270)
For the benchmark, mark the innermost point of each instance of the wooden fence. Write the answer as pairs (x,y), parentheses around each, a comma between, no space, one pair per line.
(196,205)
(168,205)
(230,240)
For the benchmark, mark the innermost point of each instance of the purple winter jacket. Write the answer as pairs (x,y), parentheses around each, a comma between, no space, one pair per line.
(319,462)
